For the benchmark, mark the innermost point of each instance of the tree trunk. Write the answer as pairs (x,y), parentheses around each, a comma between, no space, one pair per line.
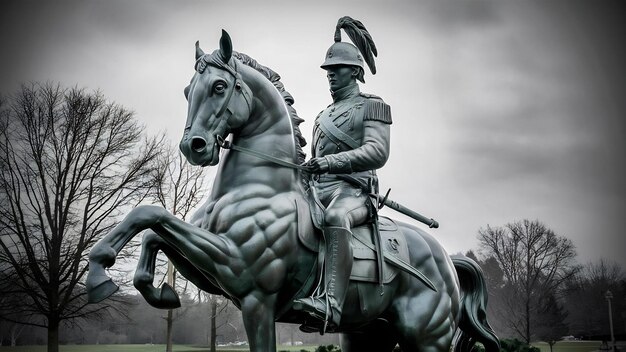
(213,324)
(171,280)
(53,334)
(168,336)
(16,330)
(527,337)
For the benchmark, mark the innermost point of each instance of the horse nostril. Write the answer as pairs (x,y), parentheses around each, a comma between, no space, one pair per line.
(198,144)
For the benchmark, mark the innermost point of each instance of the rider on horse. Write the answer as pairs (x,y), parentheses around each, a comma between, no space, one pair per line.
(350,141)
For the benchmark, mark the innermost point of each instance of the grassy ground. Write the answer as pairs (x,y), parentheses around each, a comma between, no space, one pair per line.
(569,346)
(562,346)
(143,348)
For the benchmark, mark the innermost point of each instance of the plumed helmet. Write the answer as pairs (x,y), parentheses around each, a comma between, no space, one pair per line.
(341,53)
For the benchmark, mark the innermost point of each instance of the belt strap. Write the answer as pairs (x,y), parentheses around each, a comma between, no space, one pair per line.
(335,134)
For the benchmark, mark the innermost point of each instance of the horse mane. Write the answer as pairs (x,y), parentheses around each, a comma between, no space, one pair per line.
(274,77)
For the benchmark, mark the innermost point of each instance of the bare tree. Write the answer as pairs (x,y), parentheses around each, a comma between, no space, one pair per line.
(219,316)
(179,187)
(586,299)
(70,163)
(535,263)
(551,321)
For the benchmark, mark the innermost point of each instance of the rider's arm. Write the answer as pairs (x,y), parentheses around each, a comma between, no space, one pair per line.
(371,155)
(374,150)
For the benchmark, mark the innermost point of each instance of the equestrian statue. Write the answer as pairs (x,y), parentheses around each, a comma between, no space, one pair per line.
(295,241)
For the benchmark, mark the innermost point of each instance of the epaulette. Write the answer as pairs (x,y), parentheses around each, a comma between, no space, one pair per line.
(370,96)
(375,109)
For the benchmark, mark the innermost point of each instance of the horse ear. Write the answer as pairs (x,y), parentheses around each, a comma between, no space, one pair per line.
(199,52)
(226,46)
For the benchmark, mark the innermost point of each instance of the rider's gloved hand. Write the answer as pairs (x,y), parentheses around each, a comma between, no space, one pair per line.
(317,165)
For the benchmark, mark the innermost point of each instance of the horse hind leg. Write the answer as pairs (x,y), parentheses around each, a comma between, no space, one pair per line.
(164,297)
(426,322)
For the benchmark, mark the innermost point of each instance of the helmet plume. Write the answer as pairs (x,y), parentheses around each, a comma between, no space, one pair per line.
(361,38)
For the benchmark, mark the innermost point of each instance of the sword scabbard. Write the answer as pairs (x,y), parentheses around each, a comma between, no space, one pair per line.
(408,212)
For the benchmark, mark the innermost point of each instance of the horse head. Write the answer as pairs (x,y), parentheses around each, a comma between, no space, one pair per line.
(219,102)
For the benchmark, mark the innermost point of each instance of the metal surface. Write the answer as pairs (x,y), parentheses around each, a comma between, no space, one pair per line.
(243,243)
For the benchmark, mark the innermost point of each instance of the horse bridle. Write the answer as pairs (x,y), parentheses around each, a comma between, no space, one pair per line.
(238,85)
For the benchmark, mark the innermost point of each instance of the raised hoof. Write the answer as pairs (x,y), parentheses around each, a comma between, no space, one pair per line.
(169,297)
(101,291)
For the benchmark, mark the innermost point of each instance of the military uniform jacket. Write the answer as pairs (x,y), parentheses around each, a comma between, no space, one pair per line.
(353,133)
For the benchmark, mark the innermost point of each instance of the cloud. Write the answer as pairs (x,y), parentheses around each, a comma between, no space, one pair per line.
(502,111)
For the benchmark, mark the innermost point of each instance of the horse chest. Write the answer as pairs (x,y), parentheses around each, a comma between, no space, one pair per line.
(254,221)
(260,229)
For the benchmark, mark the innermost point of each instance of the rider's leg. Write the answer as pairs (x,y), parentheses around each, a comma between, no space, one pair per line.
(337,269)
(341,214)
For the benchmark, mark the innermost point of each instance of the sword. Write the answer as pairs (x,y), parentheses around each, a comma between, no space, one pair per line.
(432,223)
(406,211)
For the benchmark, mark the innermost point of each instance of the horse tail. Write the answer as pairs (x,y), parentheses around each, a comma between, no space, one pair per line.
(473,324)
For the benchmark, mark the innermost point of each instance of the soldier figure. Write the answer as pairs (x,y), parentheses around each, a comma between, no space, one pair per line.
(350,138)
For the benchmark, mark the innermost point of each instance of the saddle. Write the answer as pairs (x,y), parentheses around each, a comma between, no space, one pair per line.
(364,268)
(365,264)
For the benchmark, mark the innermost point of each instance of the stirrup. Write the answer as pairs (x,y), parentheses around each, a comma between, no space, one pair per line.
(311,305)
(325,316)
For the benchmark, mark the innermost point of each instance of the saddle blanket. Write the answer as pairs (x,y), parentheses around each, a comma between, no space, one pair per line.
(393,242)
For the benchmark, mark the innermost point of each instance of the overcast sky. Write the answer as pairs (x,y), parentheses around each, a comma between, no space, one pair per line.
(502,110)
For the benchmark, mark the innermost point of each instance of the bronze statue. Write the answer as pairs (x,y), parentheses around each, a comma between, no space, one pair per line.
(350,138)
(254,240)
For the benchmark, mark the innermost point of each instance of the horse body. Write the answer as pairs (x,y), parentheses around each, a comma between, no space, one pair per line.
(243,242)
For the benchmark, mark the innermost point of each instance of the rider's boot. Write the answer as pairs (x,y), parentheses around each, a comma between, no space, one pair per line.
(337,269)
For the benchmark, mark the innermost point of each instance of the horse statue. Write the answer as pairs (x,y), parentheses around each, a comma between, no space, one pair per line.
(254,241)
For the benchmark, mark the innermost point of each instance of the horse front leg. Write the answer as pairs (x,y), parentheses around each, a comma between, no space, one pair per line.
(103,253)
(197,244)
(258,311)
(166,297)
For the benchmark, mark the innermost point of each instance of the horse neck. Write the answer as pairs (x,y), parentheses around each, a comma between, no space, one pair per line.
(269,117)
(268,130)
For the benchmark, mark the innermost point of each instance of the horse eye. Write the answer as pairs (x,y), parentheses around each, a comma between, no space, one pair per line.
(219,87)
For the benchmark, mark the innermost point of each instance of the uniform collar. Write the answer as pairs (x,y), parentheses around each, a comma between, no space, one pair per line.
(344,93)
